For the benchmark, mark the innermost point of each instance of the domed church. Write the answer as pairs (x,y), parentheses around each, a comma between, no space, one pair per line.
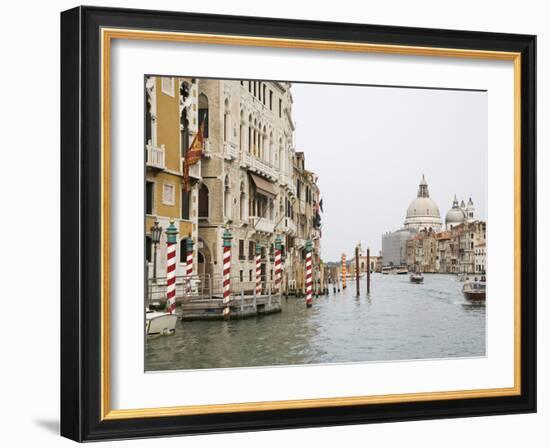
(423,212)
(459,214)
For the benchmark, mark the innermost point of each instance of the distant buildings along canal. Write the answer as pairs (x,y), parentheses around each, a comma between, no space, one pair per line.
(423,244)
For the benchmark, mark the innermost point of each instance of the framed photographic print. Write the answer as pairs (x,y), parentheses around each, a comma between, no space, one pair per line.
(272,223)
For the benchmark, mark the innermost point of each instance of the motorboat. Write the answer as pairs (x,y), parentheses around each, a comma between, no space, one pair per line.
(416,277)
(160,323)
(474,290)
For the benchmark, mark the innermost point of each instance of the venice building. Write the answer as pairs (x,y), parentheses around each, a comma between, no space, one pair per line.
(422,215)
(170,123)
(423,245)
(250,180)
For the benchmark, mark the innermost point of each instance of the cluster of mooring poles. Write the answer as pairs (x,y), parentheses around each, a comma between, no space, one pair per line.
(344,273)
(171,240)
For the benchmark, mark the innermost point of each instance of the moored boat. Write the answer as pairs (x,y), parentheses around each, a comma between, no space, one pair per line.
(160,323)
(401,271)
(416,277)
(474,290)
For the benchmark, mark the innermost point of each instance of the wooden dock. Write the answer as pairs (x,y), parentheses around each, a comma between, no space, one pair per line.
(242,306)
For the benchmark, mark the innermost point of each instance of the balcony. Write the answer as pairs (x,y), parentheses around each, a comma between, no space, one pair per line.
(195,171)
(287,226)
(206,148)
(155,156)
(230,151)
(259,166)
(262,225)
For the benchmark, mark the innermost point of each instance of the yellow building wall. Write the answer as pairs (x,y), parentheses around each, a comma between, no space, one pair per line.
(168,125)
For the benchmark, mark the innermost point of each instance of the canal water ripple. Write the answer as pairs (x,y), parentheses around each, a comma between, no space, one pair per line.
(398,321)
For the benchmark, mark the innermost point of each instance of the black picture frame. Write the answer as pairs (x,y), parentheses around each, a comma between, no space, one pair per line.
(81,224)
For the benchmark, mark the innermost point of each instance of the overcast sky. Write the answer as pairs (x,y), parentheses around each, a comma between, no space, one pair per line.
(371,145)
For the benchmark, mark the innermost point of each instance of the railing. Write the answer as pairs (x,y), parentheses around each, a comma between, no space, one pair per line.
(263,167)
(155,156)
(258,165)
(230,150)
(261,224)
(187,286)
(287,226)
(200,287)
(245,287)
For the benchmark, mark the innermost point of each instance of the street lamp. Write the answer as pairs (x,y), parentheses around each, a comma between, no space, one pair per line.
(156,232)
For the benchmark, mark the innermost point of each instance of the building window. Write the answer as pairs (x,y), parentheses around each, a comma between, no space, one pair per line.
(241,275)
(263,94)
(167,85)
(227,199)
(185,195)
(241,251)
(251,250)
(148,249)
(204,199)
(250,275)
(184,121)
(204,115)
(271,100)
(148,122)
(280,108)
(226,125)
(168,193)
(149,197)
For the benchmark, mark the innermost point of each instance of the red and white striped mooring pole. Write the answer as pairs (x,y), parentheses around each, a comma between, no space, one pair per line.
(258,270)
(226,272)
(171,239)
(278,266)
(189,262)
(309,276)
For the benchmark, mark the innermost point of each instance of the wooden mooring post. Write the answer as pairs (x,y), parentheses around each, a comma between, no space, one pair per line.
(368,271)
(357,284)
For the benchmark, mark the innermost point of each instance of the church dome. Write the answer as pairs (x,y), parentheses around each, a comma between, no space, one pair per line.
(423,212)
(455,215)
(423,207)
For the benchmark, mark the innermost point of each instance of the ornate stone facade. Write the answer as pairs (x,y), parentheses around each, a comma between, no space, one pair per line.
(250,180)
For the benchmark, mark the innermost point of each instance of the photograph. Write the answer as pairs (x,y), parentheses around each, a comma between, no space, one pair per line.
(291,223)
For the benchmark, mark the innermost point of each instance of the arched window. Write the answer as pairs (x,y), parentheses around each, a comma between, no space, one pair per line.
(270,150)
(227,198)
(148,249)
(183,250)
(265,154)
(241,131)
(203,113)
(204,199)
(185,203)
(250,134)
(242,204)
(255,138)
(226,124)
(148,122)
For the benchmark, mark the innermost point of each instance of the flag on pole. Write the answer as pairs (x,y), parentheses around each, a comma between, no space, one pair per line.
(193,155)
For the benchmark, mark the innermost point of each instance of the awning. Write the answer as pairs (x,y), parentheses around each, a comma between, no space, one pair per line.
(263,186)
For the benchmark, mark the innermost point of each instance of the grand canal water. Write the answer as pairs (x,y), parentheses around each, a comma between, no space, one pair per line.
(399,321)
